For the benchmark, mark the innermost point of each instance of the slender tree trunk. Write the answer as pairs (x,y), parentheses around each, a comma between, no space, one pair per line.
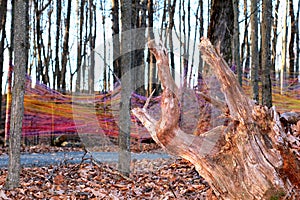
(188,39)
(12,33)
(139,68)
(292,41)
(48,52)
(9,76)
(57,74)
(245,48)
(116,41)
(65,53)
(170,33)
(254,50)
(248,56)
(39,69)
(20,54)
(297,42)
(266,52)
(185,62)
(194,46)
(3,8)
(126,63)
(163,25)
(201,33)
(284,49)
(39,8)
(274,40)
(79,45)
(236,41)
(92,38)
(8,105)
(152,78)
(105,79)
(85,59)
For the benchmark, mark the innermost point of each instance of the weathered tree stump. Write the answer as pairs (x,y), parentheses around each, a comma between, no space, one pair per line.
(250,158)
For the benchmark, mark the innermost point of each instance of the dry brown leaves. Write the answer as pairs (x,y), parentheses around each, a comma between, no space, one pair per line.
(157,179)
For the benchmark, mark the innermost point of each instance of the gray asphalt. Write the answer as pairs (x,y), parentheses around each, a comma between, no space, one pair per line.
(46,159)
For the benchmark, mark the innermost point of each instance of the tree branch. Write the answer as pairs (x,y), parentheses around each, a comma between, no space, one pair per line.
(239,106)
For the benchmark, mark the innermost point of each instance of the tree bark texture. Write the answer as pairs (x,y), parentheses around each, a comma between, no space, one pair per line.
(65,54)
(57,73)
(116,40)
(220,30)
(248,158)
(236,41)
(266,52)
(126,63)
(20,53)
(254,50)
(297,41)
(275,34)
(3,7)
(152,78)
(79,45)
(293,32)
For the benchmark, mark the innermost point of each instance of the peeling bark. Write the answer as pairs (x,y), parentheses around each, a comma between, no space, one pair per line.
(249,158)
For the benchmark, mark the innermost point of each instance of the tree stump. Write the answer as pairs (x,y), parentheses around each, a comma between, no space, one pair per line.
(249,158)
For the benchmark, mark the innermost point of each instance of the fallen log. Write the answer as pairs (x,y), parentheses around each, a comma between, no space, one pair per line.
(248,158)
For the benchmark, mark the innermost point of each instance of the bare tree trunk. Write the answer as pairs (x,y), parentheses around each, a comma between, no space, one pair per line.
(48,51)
(163,25)
(188,39)
(284,49)
(39,8)
(247,159)
(139,67)
(105,79)
(170,33)
(197,16)
(297,41)
(274,40)
(8,105)
(292,41)
(3,8)
(184,60)
(126,63)
(201,33)
(245,47)
(254,50)
(56,73)
(85,59)
(152,78)
(266,52)
(65,54)
(9,76)
(79,45)
(92,38)
(221,26)
(116,40)
(236,41)
(21,56)
(39,68)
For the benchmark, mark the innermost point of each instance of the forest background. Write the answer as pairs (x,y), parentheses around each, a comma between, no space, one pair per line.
(71,42)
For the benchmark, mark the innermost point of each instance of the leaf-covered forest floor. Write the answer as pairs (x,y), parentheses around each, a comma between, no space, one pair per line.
(171,178)
(156,179)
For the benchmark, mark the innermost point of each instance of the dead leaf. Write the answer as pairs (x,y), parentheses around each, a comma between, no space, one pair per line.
(3,195)
(59,179)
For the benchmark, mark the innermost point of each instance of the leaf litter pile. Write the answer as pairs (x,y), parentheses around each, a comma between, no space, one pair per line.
(150,179)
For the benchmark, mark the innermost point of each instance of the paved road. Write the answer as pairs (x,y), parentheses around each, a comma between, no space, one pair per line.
(36,159)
